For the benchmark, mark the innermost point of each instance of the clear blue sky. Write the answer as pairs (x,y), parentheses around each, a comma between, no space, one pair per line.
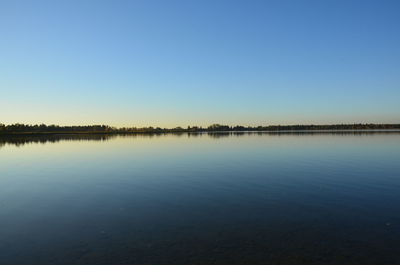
(178,63)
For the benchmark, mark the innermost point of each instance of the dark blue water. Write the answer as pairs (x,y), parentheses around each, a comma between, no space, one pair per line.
(201,199)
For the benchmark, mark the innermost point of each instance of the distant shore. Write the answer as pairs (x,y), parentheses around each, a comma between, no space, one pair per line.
(23,129)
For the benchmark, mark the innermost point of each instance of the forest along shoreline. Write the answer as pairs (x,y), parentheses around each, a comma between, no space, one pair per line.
(42,129)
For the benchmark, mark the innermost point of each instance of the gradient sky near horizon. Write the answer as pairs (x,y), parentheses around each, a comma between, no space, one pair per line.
(178,63)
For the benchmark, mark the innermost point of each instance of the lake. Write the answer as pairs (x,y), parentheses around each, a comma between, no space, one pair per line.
(221,198)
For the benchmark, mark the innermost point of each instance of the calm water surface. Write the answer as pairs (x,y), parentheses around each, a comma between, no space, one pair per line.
(201,199)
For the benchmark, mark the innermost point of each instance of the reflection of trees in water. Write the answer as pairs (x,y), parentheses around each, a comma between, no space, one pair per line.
(298,133)
(43,139)
(20,140)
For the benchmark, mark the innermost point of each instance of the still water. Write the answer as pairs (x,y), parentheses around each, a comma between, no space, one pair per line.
(321,198)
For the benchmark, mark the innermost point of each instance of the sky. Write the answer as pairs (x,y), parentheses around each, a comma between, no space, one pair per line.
(179,63)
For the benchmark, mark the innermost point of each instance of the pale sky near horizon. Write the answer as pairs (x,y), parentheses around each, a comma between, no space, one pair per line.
(179,63)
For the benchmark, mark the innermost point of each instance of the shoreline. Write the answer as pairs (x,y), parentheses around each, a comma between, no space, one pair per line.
(6,134)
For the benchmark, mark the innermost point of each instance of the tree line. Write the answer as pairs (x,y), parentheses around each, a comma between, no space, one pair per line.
(19,128)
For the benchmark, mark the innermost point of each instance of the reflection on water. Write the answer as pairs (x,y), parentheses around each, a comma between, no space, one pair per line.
(261,198)
(20,140)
